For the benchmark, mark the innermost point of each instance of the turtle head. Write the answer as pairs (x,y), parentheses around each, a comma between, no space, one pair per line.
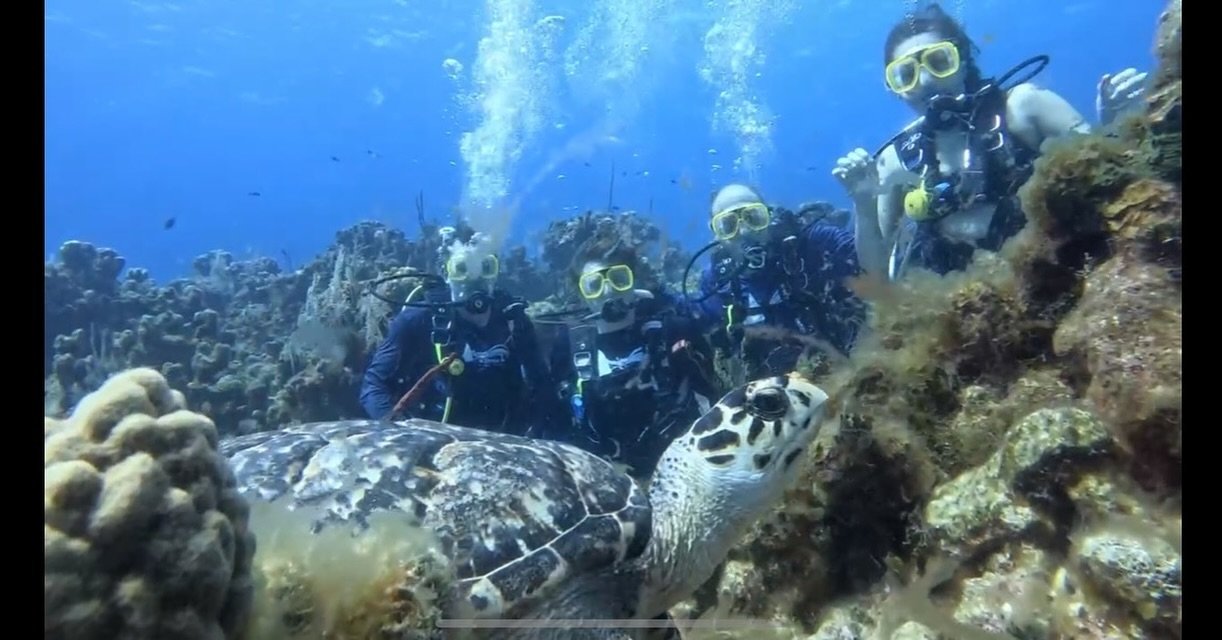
(754,436)
(726,472)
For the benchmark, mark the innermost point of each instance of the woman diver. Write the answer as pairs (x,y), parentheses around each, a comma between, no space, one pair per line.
(955,171)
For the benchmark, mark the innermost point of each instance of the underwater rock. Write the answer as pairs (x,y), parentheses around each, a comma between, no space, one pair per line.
(1126,338)
(1140,572)
(566,239)
(1009,592)
(1013,495)
(842,623)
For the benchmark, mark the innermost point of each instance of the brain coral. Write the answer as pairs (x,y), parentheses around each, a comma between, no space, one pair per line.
(144,534)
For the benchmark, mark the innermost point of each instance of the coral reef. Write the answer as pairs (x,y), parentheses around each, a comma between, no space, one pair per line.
(255,346)
(1007,458)
(144,533)
(249,344)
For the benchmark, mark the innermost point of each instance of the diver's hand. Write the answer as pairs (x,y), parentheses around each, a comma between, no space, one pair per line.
(857,174)
(1119,93)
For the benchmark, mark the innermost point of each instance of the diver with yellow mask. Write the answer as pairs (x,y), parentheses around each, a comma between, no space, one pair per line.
(770,268)
(478,336)
(946,184)
(634,372)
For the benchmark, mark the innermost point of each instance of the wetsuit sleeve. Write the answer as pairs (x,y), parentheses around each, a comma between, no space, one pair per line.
(709,312)
(388,362)
(697,358)
(531,354)
(831,260)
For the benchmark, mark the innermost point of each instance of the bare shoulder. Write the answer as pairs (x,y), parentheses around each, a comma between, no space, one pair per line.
(1037,113)
(1026,101)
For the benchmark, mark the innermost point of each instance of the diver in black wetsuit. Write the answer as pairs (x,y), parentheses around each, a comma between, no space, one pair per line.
(636,372)
(498,369)
(771,269)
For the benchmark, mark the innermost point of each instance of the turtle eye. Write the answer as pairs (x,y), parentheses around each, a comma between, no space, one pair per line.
(770,404)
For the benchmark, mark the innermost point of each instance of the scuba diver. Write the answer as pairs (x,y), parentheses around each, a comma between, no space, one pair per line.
(634,372)
(478,338)
(771,269)
(954,172)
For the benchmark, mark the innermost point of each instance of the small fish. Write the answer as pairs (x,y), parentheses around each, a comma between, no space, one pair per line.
(810,168)
(334,159)
(586,163)
(169,222)
(373,154)
(254,193)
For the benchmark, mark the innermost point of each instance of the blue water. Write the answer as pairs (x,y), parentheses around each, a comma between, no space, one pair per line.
(181,109)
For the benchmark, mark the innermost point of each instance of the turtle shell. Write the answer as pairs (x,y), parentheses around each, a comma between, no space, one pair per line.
(516,517)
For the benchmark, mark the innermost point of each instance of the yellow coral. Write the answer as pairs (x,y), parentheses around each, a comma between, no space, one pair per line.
(144,533)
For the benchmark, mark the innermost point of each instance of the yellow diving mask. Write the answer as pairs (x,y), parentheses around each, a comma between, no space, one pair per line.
(941,59)
(726,224)
(459,270)
(593,284)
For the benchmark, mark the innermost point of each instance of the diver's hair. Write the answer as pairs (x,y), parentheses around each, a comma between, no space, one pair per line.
(932,19)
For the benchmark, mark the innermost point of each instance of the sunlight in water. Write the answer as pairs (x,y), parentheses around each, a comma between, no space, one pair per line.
(605,61)
(510,88)
(733,57)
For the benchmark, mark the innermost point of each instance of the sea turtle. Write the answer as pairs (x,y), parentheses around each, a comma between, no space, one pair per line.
(541,530)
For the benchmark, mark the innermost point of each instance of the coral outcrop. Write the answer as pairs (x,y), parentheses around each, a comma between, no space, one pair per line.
(251,345)
(145,535)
